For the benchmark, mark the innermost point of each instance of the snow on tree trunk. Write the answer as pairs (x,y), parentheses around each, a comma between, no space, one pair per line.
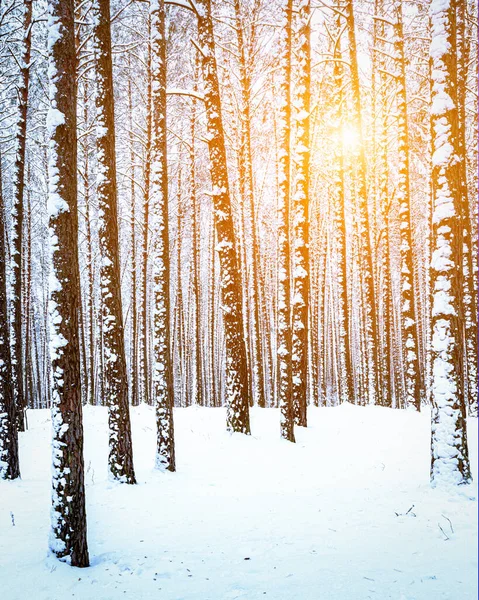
(366,257)
(246,184)
(84,144)
(237,401)
(195,234)
(68,534)
(300,207)
(339,208)
(284,343)
(144,357)
(16,261)
(9,464)
(449,450)
(470,299)
(115,374)
(409,316)
(179,308)
(380,111)
(135,400)
(163,391)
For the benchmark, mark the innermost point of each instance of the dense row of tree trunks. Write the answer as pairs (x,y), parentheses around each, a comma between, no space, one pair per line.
(179,304)
(366,255)
(144,354)
(200,383)
(382,204)
(134,391)
(339,208)
(88,295)
(17,250)
(246,184)
(409,313)
(346,338)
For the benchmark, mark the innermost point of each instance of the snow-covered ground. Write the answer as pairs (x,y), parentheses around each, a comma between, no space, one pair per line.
(329,518)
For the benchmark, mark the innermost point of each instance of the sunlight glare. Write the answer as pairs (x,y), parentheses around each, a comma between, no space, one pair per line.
(350,136)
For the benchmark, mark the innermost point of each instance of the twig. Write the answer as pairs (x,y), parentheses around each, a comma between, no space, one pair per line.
(449,520)
(406,513)
(446,537)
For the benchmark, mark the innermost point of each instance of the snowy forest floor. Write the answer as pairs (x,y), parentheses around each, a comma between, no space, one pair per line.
(251,517)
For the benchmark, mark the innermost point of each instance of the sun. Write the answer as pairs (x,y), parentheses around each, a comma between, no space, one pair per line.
(350,136)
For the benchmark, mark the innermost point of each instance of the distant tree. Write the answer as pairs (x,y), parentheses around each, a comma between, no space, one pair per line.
(196,266)
(134,390)
(246,184)
(364,229)
(9,463)
(339,209)
(17,339)
(144,382)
